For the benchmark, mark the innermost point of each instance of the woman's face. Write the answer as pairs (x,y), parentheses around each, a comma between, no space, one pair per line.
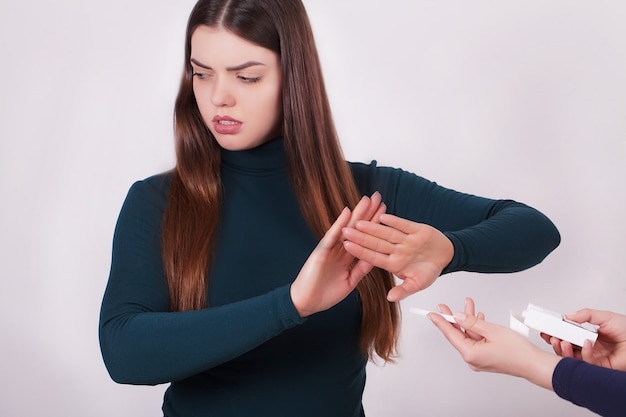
(237,85)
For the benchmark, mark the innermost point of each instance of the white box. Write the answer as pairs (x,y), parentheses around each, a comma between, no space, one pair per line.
(555,324)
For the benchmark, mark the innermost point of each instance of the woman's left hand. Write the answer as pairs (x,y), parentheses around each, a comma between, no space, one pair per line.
(414,252)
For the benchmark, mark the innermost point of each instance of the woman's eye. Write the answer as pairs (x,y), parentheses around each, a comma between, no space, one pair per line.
(249,80)
(199,75)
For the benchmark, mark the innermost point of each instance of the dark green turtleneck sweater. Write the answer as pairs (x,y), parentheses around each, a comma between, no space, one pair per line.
(249,353)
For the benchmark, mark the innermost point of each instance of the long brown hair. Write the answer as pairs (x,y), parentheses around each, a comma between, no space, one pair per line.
(320,176)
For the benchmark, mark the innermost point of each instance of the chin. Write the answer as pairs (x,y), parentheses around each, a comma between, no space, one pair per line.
(232,143)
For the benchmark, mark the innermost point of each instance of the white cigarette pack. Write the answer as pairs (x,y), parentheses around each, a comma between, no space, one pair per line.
(554,324)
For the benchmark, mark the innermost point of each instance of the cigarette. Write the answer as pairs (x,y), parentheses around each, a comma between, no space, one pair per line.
(423,312)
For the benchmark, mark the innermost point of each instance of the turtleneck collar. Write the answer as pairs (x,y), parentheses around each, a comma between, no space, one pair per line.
(268,157)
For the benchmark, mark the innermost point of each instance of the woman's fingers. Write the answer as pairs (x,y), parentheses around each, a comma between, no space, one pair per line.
(446,310)
(382,208)
(358,271)
(380,231)
(469,307)
(443,308)
(455,336)
(369,243)
(333,234)
(366,209)
(400,292)
(400,224)
(470,311)
(375,257)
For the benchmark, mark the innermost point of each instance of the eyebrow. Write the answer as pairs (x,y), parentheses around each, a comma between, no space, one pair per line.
(233,68)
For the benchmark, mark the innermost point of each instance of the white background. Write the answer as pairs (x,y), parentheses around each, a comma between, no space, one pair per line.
(506,99)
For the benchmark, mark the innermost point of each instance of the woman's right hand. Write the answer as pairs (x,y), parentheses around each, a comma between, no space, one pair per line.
(609,350)
(330,273)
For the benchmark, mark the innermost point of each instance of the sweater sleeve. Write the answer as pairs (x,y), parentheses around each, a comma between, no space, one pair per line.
(489,236)
(601,390)
(141,341)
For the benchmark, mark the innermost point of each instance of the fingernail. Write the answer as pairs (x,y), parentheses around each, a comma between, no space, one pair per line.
(460,316)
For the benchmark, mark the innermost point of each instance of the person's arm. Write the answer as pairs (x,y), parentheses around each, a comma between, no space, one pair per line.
(494,348)
(331,273)
(599,389)
(142,342)
(431,230)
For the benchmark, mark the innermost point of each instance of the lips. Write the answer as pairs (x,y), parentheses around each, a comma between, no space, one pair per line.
(225,125)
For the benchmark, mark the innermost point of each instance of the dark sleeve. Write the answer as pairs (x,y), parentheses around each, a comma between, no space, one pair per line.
(601,390)
(488,235)
(141,341)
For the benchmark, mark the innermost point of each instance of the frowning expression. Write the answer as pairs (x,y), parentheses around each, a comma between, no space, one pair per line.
(238,88)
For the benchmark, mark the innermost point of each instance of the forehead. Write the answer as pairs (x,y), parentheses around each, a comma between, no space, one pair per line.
(215,46)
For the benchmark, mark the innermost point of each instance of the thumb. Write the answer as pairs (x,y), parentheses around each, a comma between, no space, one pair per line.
(358,272)
(589,315)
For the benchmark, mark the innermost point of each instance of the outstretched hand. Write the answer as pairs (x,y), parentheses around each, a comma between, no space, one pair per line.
(414,252)
(331,273)
(609,351)
(494,348)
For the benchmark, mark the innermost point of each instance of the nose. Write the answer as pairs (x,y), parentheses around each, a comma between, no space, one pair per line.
(222,95)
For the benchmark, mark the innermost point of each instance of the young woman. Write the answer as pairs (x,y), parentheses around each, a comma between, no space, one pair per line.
(593,377)
(254,277)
